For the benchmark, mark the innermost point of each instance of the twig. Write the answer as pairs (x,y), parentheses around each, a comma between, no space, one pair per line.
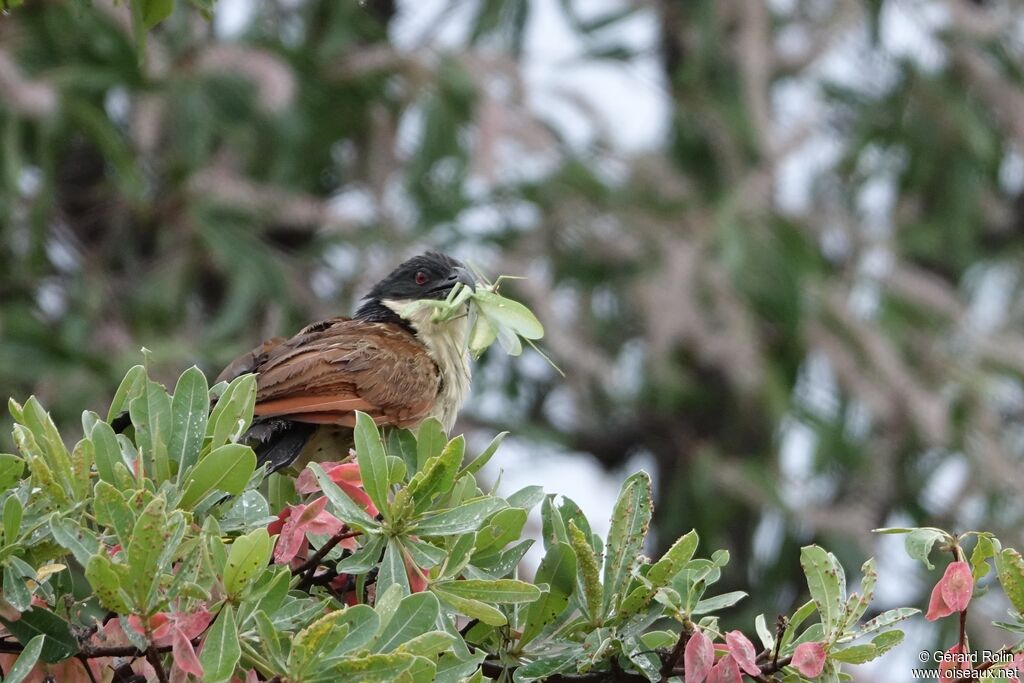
(677,652)
(154,659)
(84,661)
(308,568)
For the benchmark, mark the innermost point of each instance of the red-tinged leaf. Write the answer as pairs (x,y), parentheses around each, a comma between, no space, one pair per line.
(289,543)
(185,655)
(698,657)
(193,624)
(937,607)
(809,659)
(742,650)
(725,671)
(957,586)
(417,580)
(338,472)
(953,662)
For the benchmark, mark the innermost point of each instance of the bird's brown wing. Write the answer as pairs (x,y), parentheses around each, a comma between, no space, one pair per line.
(335,367)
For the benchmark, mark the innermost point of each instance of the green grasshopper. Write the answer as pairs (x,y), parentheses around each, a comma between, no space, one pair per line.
(491,317)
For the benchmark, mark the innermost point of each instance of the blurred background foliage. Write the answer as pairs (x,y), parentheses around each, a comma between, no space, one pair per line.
(798,296)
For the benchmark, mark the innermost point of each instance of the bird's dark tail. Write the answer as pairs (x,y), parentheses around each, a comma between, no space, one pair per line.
(276,442)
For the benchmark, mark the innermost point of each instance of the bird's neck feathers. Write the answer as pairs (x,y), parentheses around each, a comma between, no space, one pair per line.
(447,344)
(374,311)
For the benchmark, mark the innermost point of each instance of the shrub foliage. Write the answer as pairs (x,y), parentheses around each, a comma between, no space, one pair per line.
(164,552)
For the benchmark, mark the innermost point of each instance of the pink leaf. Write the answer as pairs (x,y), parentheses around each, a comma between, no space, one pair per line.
(937,607)
(417,582)
(725,671)
(698,657)
(957,586)
(742,651)
(953,661)
(809,659)
(193,623)
(185,655)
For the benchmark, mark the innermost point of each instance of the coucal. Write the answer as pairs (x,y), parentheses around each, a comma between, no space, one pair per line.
(399,370)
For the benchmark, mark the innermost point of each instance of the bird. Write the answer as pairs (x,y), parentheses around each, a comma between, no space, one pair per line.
(397,365)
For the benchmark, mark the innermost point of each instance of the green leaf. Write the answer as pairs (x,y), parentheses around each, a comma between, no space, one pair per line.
(855,654)
(227,468)
(474,609)
(373,465)
(718,602)
(392,568)
(11,469)
(884,642)
(82,543)
(375,668)
(15,590)
(587,573)
(674,559)
(155,11)
(347,509)
(430,441)
(822,572)
(501,529)
(60,642)
(798,618)
(479,461)
(883,620)
(983,551)
(315,642)
(221,649)
(545,667)
(1010,570)
(438,474)
(13,512)
(249,555)
(274,643)
(919,543)
(151,416)
(130,387)
(766,637)
(631,518)
(366,557)
(190,411)
(113,511)
(149,537)
(402,443)
(429,644)
(22,667)
(500,591)
(467,517)
(858,603)
(422,553)
(363,624)
(233,413)
(415,615)
(107,452)
(106,584)
(558,570)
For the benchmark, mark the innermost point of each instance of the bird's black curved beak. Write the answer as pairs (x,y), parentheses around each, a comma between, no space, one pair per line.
(463,275)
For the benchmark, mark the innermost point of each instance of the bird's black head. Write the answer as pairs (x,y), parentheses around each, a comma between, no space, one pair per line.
(428,276)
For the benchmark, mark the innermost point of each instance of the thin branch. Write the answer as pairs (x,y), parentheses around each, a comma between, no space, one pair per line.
(153,657)
(308,568)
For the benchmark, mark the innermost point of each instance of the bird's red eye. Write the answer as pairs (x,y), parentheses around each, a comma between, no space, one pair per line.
(421,278)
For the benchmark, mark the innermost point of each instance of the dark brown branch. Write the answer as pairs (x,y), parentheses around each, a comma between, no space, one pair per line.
(153,657)
(308,568)
(673,658)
